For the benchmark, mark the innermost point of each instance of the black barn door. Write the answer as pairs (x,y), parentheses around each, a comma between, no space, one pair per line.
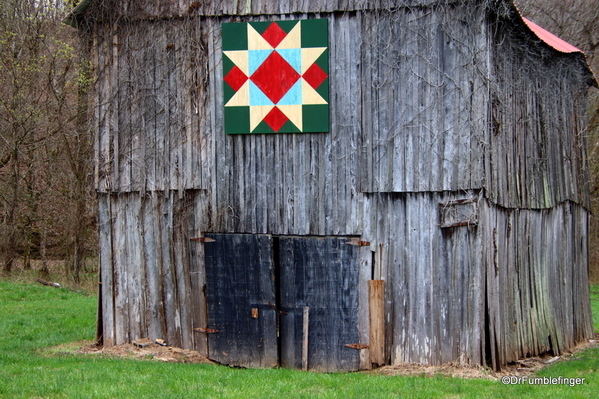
(321,273)
(239,287)
(249,277)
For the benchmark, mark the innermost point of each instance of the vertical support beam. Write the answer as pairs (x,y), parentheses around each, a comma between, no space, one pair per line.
(305,338)
(107,297)
(366,260)
(376,301)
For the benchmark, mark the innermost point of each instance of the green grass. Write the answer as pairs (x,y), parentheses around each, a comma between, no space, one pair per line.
(34,317)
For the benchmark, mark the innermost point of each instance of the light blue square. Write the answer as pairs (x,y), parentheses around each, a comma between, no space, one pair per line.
(256,58)
(293,96)
(257,97)
(293,56)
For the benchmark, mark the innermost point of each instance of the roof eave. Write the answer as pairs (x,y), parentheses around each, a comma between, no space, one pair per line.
(73,18)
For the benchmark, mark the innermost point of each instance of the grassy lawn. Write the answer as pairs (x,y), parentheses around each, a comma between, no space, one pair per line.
(33,317)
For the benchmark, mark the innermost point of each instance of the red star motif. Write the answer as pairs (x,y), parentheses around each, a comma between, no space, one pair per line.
(275,119)
(275,77)
(314,76)
(235,78)
(274,34)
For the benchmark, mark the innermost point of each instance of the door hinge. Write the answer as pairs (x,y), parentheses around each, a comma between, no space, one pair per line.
(206,330)
(359,243)
(203,239)
(357,346)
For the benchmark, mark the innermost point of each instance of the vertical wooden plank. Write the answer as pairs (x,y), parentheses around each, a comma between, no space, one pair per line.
(305,337)
(198,273)
(106,164)
(250,182)
(365,160)
(181,262)
(376,296)
(151,247)
(105,232)
(164,312)
(262,188)
(131,122)
(120,270)
(192,175)
(324,196)
(277,223)
(134,264)
(365,258)
(168,276)
(392,266)
(99,127)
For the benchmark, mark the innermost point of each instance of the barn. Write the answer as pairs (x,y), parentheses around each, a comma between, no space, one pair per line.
(332,185)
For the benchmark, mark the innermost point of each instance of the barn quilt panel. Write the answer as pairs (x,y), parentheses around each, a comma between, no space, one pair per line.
(276,76)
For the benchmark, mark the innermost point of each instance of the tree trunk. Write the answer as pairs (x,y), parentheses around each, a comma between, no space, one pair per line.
(10,252)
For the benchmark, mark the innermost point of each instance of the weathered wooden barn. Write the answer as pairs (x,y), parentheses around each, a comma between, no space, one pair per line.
(441,215)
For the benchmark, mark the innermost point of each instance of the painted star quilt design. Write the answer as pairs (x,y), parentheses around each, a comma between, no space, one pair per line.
(276,76)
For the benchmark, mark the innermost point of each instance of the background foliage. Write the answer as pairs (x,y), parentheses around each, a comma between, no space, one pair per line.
(46,203)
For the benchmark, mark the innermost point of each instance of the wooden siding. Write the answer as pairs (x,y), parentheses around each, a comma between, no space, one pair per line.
(151,273)
(159,124)
(434,291)
(424,93)
(536,266)
(150,101)
(111,10)
(502,288)
(536,155)
(160,128)
(418,110)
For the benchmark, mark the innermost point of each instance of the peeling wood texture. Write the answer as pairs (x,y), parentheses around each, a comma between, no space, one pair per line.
(536,274)
(110,10)
(499,290)
(434,290)
(456,159)
(151,274)
(537,147)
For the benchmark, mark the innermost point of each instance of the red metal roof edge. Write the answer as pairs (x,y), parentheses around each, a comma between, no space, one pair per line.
(557,44)
(550,39)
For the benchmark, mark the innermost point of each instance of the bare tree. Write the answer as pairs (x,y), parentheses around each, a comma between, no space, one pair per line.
(44,143)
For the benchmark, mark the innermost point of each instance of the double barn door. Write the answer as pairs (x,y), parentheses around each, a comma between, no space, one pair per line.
(257,287)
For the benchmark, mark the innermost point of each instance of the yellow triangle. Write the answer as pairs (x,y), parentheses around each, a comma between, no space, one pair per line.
(239,58)
(293,38)
(256,41)
(257,113)
(310,96)
(309,56)
(294,113)
(241,98)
